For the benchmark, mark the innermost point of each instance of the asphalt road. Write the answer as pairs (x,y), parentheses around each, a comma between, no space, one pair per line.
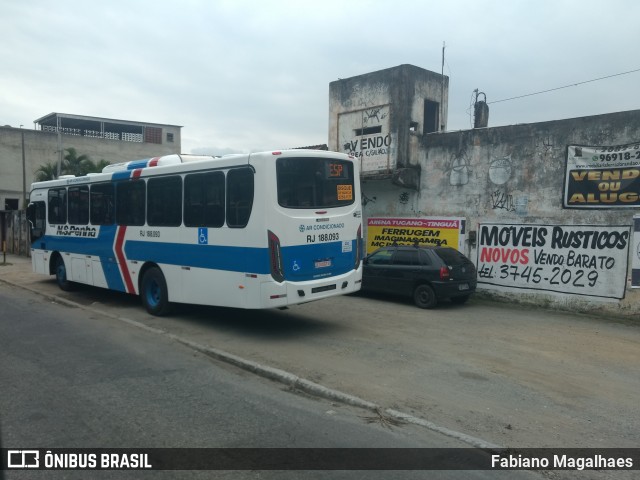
(484,372)
(73,379)
(511,376)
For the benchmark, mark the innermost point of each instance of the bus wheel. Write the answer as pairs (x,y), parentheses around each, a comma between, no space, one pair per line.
(61,275)
(424,297)
(154,292)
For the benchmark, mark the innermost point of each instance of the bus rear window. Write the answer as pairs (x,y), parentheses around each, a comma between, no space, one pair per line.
(314,182)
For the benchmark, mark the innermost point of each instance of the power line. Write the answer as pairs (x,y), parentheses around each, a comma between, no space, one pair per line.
(566,86)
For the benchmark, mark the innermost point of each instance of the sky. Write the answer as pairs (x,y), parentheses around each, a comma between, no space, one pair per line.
(253,75)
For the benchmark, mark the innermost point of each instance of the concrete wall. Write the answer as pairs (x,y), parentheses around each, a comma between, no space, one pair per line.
(392,100)
(42,147)
(513,176)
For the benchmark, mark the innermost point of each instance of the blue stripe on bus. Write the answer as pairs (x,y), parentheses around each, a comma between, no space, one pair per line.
(101,247)
(235,259)
(298,261)
(123,175)
(138,164)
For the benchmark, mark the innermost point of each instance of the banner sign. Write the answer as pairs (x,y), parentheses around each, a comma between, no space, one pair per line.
(635,265)
(383,232)
(573,259)
(310,459)
(602,177)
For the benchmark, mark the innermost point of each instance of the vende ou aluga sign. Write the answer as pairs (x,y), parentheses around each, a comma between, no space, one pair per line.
(568,259)
(602,177)
(635,264)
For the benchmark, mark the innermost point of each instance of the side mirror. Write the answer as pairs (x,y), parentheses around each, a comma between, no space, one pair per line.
(31,213)
(35,228)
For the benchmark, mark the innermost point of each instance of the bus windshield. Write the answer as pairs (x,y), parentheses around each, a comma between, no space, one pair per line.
(314,182)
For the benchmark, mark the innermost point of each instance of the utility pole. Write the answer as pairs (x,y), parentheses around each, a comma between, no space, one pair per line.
(58,129)
(442,92)
(24,174)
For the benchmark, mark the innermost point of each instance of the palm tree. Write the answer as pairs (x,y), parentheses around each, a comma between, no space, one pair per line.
(99,166)
(48,171)
(74,164)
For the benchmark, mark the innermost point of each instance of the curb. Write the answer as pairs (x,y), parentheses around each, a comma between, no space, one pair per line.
(275,374)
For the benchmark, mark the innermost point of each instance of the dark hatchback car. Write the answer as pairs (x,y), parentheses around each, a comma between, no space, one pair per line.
(428,274)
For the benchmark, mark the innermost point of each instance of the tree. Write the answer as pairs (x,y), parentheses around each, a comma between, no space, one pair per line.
(48,171)
(78,165)
(100,165)
(73,164)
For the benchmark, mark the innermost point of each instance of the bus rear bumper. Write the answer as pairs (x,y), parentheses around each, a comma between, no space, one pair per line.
(276,295)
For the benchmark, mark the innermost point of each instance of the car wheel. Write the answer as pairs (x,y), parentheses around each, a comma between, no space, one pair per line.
(154,292)
(460,300)
(424,296)
(61,275)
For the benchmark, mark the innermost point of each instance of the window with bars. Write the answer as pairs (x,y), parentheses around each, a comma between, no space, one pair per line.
(152,135)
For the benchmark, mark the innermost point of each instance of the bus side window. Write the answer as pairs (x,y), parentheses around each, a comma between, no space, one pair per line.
(204,200)
(130,202)
(79,205)
(164,201)
(214,194)
(57,205)
(102,204)
(239,197)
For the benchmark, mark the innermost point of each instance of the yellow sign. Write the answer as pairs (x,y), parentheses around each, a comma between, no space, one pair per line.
(345,192)
(383,232)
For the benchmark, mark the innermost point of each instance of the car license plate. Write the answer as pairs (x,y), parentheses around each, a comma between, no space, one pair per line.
(463,286)
(325,263)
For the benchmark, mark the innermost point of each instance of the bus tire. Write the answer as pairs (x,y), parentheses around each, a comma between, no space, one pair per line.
(424,296)
(60,271)
(154,292)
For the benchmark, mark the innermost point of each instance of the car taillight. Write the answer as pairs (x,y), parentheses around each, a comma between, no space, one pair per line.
(275,257)
(444,273)
(358,248)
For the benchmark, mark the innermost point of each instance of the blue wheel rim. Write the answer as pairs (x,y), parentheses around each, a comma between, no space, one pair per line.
(61,273)
(153,293)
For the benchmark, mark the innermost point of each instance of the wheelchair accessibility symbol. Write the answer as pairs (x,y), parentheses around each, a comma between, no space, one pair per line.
(295,267)
(203,236)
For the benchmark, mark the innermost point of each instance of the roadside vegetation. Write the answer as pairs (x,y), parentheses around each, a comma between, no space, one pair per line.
(72,164)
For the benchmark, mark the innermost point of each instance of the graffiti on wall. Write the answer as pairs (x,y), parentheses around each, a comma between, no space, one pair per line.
(502,200)
(459,169)
(500,170)
(365,134)
(602,177)
(546,147)
(571,259)
(374,116)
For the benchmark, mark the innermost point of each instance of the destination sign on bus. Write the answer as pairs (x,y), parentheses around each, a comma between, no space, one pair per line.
(345,192)
(336,170)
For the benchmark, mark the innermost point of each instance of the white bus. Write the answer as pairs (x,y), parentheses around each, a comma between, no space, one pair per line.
(260,230)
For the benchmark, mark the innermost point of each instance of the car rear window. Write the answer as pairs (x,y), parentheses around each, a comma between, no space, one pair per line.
(381,257)
(406,257)
(451,256)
